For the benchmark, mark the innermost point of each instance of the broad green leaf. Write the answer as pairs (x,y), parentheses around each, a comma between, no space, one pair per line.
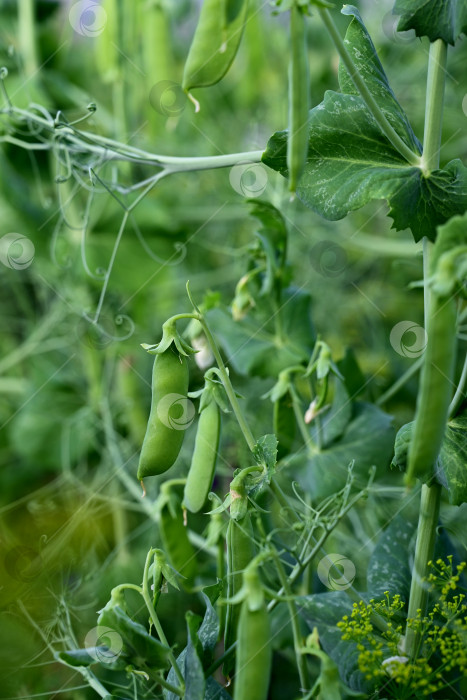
(436,19)
(197,655)
(451,466)
(337,417)
(324,611)
(208,633)
(79,657)
(251,344)
(273,229)
(265,451)
(135,642)
(350,162)
(388,568)
(368,440)
(354,378)
(365,59)
(193,668)
(401,446)
(214,691)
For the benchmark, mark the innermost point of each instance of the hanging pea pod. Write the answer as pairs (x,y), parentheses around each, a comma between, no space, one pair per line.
(166,430)
(203,462)
(448,272)
(254,650)
(174,533)
(299,97)
(156,42)
(215,43)
(435,390)
(240,552)
(285,425)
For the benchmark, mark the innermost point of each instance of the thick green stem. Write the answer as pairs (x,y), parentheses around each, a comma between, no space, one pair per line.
(436,80)
(426,535)
(430,495)
(27,36)
(368,98)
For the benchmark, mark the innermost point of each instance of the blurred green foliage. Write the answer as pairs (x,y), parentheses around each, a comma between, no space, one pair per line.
(72,395)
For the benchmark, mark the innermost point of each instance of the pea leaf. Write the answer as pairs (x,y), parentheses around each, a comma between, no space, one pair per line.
(132,640)
(350,162)
(388,570)
(367,440)
(208,633)
(251,344)
(79,657)
(265,451)
(337,417)
(451,469)
(324,611)
(197,656)
(436,19)
(193,667)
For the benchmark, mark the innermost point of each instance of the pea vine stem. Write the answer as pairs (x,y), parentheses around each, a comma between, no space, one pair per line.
(366,95)
(155,620)
(229,390)
(430,494)
(293,614)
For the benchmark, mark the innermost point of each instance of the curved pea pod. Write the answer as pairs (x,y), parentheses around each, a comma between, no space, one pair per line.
(174,536)
(254,650)
(169,416)
(285,425)
(215,43)
(240,552)
(435,390)
(203,462)
(299,98)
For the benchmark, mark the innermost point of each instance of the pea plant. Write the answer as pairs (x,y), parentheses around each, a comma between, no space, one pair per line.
(257,524)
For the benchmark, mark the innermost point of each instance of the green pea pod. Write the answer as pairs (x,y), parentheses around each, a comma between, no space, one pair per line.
(285,425)
(175,540)
(299,98)
(240,552)
(254,650)
(435,390)
(203,462)
(215,43)
(166,429)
